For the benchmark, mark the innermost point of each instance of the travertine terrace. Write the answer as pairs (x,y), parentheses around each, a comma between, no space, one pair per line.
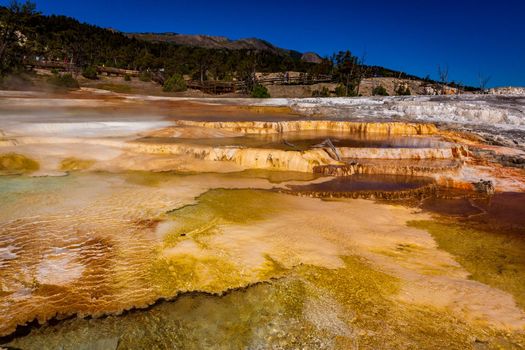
(331,230)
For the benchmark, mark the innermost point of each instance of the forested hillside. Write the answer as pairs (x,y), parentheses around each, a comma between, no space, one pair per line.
(27,36)
(31,35)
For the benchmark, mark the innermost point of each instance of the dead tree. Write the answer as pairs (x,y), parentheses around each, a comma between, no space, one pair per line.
(483,81)
(362,70)
(458,88)
(330,145)
(443,77)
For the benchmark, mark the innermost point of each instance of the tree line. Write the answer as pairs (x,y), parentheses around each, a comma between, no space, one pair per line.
(26,35)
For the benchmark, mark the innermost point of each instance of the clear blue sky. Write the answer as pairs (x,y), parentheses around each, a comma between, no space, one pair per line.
(409,35)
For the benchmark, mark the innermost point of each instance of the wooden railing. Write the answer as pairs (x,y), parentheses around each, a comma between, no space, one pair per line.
(51,65)
(216,86)
(71,67)
(208,86)
(221,87)
(304,79)
(117,71)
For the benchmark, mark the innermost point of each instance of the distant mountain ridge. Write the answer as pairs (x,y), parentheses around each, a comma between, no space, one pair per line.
(311,57)
(212,42)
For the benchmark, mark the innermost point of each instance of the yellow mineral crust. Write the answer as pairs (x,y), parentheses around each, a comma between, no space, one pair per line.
(396,153)
(100,244)
(259,127)
(248,158)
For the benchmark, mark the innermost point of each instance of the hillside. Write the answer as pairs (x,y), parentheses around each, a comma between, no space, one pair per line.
(65,39)
(35,39)
(211,42)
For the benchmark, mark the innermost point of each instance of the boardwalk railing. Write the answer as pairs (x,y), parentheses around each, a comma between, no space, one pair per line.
(117,71)
(208,86)
(222,87)
(303,79)
(52,65)
(65,66)
(216,86)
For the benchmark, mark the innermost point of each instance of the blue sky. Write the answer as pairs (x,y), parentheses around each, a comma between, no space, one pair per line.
(413,36)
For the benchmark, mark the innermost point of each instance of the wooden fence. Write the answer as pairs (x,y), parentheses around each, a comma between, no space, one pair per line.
(62,66)
(65,66)
(303,79)
(222,87)
(117,71)
(216,86)
(208,86)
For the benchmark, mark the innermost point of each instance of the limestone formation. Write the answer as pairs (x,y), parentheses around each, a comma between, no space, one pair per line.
(256,127)
(248,158)
(507,90)
(219,215)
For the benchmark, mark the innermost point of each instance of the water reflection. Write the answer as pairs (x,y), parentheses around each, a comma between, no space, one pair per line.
(303,140)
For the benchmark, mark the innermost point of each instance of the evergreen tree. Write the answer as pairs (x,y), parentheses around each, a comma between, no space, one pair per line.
(14,43)
(379,91)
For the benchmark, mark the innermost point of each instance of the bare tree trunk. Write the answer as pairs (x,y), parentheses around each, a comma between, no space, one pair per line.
(483,81)
(443,77)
